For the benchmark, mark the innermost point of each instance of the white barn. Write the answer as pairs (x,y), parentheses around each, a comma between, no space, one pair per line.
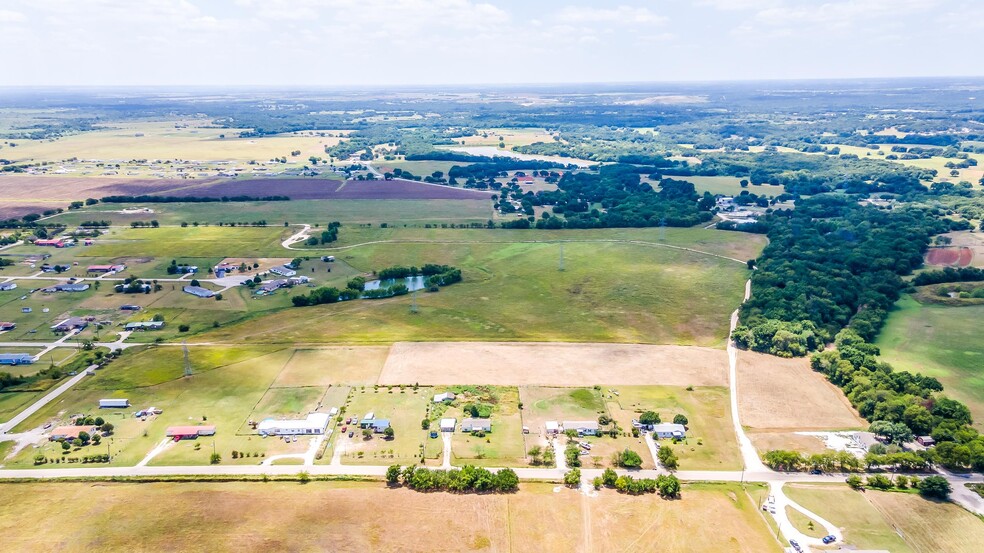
(113,403)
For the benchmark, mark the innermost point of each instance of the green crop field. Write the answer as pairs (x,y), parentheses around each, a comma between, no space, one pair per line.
(939,341)
(608,291)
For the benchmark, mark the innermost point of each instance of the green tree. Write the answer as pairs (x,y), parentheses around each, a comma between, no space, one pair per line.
(534,454)
(215,459)
(650,417)
(667,458)
(506,480)
(572,478)
(681,419)
(609,477)
(389,433)
(935,487)
(393,474)
(630,459)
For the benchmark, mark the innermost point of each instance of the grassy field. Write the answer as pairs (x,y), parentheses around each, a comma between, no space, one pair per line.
(863,525)
(939,341)
(404,409)
(619,292)
(174,242)
(710,442)
(393,212)
(730,186)
(505,445)
(353,516)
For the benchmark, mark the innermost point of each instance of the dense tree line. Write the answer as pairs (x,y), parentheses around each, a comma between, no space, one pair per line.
(830,263)
(497,168)
(467,479)
(949,274)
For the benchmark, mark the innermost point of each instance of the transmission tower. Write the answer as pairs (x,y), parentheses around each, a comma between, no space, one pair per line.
(187,361)
(560,265)
(662,229)
(413,302)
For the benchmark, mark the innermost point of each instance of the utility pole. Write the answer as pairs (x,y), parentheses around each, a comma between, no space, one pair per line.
(187,361)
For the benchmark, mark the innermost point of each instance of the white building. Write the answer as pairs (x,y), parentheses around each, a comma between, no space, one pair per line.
(583,428)
(283,271)
(315,423)
(113,403)
(446,396)
(447,425)
(552,427)
(669,430)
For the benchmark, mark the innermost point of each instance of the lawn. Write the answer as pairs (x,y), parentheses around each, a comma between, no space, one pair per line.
(356,516)
(939,341)
(731,186)
(863,525)
(504,446)
(710,442)
(404,408)
(607,292)
(202,241)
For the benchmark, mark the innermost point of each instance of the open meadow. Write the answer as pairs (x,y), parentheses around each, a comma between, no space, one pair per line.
(939,341)
(256,516)
(897,522)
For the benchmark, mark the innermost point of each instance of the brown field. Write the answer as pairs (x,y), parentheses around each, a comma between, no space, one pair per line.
(928,525)
(777,393)
(970,240)
(950,257)
(524,364)
(352,365)
(352,516)
(765,441)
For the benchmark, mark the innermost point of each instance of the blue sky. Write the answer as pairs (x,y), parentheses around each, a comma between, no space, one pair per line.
(377,42)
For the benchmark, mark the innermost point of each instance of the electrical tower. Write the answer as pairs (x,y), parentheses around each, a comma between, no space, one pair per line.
(560,265)
(413,302)
(662,229)
(187,361)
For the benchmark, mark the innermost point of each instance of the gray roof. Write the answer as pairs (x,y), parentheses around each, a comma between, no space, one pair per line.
(574,425)
(669,427)
(476,423)
(199,291)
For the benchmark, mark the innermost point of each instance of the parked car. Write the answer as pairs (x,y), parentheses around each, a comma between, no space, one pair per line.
(344,429)
(351,434)
(816,471)
(829,539)
(795,545)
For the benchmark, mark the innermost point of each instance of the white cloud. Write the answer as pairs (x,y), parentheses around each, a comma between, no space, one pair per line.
(619,14)
(10,16)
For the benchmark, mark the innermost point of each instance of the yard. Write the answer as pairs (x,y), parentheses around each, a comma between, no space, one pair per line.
(404,408)
(504,445)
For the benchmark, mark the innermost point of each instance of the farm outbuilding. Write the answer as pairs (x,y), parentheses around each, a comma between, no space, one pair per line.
(198,291)
(7,286)
(16,359)
(552,427)
(7,326)
(447,425)
(189,432)
(113,403)
(144,325)
(283,271)
(315,423)
(446,396)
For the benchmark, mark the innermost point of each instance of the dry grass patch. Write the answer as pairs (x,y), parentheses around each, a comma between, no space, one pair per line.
(348,365)
(928,525)
(530,364)
(777,393)
(765,441)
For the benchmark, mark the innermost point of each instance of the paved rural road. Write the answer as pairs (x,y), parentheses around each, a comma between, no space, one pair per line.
(48,398)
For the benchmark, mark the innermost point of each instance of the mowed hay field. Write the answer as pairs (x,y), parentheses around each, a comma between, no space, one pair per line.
(897,522)
(523,364)
(352,516)
(607,292)
(939,341)
(785,394)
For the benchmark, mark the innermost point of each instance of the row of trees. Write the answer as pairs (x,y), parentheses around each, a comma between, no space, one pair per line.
(932,487)
(668,486)
(949,274)
(464,480)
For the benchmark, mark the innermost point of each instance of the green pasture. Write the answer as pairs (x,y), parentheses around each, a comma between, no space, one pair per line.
(863,525)
(404,408)
(939,341)
(731,186)
(608,291)
(504,446)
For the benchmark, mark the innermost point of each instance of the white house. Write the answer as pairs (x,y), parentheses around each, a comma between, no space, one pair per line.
(447,425)
(669,430)
(315,423)
(283,271)
(583,428)
(553,427)
(475,425)
(446,396)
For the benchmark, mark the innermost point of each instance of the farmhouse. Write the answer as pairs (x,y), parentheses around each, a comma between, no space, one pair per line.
(446,396)
(378,425)
(67,287)
(105,268)
(70,324)
(113,403)
(7,326)
(189,432)
(669,430)
(16,359)
(54,243)
(71,432)
(198,291)
(925,441)
(447,425)
(315,423)
(283,271)
(7,286)
(475,425)
(524,179)
(583,428)
(144,325)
